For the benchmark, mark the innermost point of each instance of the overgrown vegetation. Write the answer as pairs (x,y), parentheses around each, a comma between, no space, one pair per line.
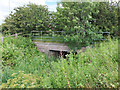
(23,66)
(0,58)
(96,67)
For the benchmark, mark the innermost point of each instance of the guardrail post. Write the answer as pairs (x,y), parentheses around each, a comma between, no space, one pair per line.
(2,39)
(41,35)
(31,35)
(52,35)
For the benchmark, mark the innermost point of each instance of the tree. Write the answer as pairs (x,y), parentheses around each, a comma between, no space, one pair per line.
(82,21)
(27,18)
(74,19)
(107,17)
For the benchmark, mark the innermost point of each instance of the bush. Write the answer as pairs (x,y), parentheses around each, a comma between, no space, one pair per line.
(96,67)
(21,54)
(16,50)
(21,80)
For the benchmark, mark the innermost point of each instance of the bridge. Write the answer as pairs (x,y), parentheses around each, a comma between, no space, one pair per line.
(52,45)
(52,48)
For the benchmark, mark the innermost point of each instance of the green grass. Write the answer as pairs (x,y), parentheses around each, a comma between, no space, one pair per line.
(21,54)
(96,67)
(0,58)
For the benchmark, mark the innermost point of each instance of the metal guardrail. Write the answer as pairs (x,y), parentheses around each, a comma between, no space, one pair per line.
(40,35)
(46,35)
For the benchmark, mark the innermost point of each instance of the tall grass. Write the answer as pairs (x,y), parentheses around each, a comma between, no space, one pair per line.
(0,58)
(21,54)
(96,67)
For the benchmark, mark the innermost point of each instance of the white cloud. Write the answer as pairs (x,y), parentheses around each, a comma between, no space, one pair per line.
(53,0)
(52,7)
(6,6)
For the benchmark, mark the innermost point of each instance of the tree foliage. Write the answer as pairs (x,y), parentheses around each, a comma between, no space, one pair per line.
(82,21)
(27,18)
(107,17)
(74,19)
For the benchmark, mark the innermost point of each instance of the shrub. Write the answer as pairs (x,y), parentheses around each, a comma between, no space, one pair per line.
(96,67)
(21,80)
(16,50)
(21,55)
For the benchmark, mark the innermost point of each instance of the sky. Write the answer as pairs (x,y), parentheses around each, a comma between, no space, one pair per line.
(6,6)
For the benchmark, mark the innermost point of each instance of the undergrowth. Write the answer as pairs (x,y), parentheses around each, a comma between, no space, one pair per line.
(96,67)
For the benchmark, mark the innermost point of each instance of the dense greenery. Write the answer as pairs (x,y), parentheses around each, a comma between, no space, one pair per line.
(80,22)
(96,67)
(0,28)
(0,58)
(23,66)
(107,17)
(27,18)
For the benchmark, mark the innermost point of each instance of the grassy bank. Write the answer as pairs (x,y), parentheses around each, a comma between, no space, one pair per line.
(25,67)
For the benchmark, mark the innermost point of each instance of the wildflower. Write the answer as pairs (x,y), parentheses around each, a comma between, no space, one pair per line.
(13,74)
(30,74)
(24,81)
(21,71)
(4,85)
(33,86)
(16,84)
(8,82)
(22,86)
(19,78)
(12,85)
(15,79)
(33,83)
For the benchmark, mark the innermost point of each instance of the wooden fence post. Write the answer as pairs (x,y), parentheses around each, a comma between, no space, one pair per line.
(16,35)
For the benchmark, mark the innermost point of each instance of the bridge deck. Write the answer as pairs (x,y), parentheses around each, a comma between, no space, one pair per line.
(51,46)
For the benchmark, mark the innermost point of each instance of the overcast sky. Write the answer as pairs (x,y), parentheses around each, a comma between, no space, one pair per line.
(6,6)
